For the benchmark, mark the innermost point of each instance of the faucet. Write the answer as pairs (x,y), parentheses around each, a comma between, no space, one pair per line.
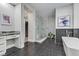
(68,33)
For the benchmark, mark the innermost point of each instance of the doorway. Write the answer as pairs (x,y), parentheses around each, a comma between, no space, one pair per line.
(26,31)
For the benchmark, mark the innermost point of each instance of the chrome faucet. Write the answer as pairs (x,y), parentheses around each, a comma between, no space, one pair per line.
(68,33)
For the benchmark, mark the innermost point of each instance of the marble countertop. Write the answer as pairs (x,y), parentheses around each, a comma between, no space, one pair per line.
(6,33)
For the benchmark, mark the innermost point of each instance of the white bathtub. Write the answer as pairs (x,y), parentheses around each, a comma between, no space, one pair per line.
(71,46)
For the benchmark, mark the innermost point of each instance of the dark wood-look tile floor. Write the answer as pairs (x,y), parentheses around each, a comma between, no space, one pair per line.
(47,48)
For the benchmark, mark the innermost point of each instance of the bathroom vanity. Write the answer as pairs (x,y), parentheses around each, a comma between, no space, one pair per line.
(7,40)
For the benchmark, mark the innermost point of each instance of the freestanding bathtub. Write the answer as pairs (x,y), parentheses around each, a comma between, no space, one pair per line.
(71,46)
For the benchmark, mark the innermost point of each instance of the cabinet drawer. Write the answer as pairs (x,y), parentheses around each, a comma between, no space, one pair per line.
(12,36)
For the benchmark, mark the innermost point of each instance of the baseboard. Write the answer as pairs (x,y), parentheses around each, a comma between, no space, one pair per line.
(42,40)
(38,41)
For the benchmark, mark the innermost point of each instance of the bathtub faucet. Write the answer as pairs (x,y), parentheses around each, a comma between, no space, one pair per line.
(68,33)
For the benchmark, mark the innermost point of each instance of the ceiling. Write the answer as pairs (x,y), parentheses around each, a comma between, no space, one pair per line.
(47,9)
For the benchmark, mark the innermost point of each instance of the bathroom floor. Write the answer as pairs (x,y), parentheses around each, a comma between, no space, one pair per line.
(47,48)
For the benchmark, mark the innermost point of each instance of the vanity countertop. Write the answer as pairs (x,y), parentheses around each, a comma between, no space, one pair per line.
(6,33)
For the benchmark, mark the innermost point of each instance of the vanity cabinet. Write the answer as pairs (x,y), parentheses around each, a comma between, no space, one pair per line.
(2,45)
(11,40)
(8,41)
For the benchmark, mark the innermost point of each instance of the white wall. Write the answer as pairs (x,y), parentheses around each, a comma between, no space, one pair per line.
(76,15)
(64,11)
(20,24)
(49,25)
(17,16)
(7,9)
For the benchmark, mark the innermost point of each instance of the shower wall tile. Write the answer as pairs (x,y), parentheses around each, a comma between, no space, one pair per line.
(59,34)
(76,33)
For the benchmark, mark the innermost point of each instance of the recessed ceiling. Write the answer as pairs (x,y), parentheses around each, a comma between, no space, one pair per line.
(47,9)
(14,4)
